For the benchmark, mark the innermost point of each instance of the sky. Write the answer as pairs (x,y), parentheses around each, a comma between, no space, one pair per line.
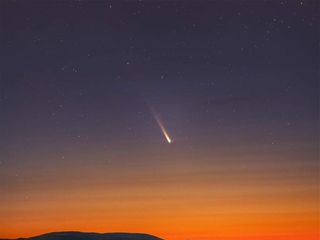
(188,120)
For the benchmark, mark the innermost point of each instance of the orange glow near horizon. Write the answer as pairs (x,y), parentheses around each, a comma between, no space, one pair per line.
(201,202)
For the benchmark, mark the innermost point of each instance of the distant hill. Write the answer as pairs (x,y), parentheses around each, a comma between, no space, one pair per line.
(91,236)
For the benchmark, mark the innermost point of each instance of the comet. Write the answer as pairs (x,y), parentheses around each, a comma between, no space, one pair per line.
(163,129)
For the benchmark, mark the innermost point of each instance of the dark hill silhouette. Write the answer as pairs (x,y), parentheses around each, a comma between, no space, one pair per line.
(91,236)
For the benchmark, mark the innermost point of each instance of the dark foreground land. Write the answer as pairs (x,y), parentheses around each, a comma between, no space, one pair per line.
(91,236)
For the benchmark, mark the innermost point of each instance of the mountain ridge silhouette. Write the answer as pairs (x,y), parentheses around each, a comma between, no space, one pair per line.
(76,235)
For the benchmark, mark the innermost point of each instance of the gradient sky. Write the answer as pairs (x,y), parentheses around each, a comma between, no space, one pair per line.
(85,86)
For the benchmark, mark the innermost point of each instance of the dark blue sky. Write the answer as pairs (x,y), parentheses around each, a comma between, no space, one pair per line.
(72,67)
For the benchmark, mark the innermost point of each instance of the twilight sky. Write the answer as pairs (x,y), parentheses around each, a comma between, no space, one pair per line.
(89,87)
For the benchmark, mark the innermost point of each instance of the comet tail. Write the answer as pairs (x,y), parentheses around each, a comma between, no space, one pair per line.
(163,129)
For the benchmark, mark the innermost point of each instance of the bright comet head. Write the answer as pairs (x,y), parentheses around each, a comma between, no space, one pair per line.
(167,137)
